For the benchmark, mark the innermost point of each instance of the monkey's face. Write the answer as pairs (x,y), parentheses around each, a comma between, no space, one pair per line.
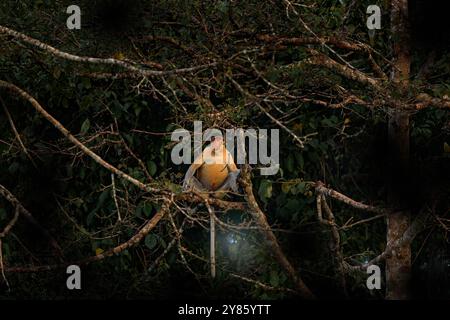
(216,142)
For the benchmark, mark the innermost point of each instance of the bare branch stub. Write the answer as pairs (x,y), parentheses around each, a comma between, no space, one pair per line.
(321,189)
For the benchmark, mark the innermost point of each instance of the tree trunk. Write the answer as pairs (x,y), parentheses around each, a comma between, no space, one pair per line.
(398,265)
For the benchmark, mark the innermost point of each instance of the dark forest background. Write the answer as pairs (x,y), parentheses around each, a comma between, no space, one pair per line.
(334,130)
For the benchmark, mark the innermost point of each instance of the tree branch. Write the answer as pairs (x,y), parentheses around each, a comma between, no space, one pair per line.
(407,237)
(110,61)
(149,225)
(271,240)
(23,94)
(13,200)
(321,189)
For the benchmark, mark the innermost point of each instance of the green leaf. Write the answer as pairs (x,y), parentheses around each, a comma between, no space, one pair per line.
(446,147)
(151,167)
(222,6)
(274,279)
(86,83)
(137,110)
(6,251)
(301,187)
(147,208)
(14,167)
(129,138)
(285,187)
(290,163)
(101,200)
(56,73)
(151,241)
(103,196)
(301,160)
(291,206)
(90,217)
(85,126)
(265,190)
(174,187)
(2,213)
(273,75)
(82,173)
(85,102)
(138,211)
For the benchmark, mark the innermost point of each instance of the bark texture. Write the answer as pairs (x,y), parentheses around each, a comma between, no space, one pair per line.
(398,264)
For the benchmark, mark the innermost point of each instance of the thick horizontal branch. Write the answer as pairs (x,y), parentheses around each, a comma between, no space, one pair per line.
(299,41)
(353,74)
(424,100)
(192,197)
(108,61)
(109,75)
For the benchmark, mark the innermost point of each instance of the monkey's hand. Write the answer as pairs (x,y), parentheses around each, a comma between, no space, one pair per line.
(193,184)
(231,182)
(187,183)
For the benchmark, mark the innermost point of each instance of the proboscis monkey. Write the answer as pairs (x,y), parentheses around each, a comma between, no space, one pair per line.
(214,171)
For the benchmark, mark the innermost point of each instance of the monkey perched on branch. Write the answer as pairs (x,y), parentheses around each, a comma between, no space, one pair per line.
(213,171)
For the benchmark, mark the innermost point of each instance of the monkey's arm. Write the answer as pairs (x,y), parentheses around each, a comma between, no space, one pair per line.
(189,180)
(230,162)
(231,180)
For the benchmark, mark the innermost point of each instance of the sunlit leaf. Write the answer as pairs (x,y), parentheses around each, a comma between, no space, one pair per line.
(85,126)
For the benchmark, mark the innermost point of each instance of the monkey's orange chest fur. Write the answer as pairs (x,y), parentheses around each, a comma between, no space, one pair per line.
(213,175)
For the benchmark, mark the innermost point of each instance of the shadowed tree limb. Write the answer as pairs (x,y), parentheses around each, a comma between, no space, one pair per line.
(336,238)
(149,225)
(16,203)
(16,133)
(408,236)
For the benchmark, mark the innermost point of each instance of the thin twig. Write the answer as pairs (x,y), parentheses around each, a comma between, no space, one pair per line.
(115,197)
(13,200)
(1,264)
(262,285)
(16,133)
(212,239)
